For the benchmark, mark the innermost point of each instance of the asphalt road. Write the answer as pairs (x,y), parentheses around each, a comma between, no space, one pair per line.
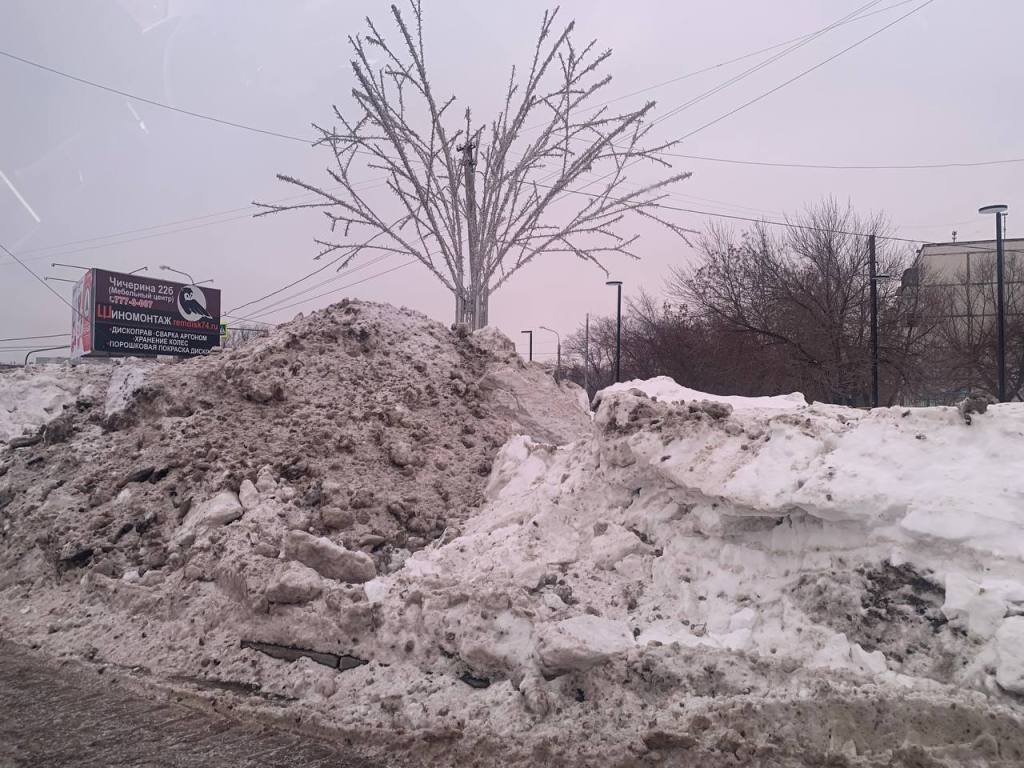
(53,716)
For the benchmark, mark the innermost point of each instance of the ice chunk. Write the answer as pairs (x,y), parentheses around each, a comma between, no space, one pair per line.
(614,544)
(582,642)
(329,559)
(295,584)
(222,509)
(1010,644)
(980,610)
(869,662)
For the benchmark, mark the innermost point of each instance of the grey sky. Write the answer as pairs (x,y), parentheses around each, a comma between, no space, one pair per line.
(940,86)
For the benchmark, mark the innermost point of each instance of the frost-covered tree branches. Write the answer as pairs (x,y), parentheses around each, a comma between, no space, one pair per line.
(479,201)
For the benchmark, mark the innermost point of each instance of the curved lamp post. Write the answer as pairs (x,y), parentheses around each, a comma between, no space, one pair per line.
(558,359)
(180,272)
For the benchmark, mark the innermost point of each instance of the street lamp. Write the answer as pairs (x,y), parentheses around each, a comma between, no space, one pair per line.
(140,269)
(61,280)
(530,333)
(1000,212)
(618,328)
(558,359)
(178,271)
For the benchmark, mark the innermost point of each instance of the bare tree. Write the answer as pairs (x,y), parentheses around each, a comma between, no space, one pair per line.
(242,335)
(662,338)
(805,291)
(962,311)
(480,202)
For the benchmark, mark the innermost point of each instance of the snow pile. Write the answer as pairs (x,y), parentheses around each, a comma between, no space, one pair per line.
(31,398)
(685,581)
(787,548)
(372,425)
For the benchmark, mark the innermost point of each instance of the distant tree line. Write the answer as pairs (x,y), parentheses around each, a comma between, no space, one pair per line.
(773,310)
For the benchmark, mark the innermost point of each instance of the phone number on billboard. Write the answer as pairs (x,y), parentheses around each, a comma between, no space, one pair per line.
(130,302)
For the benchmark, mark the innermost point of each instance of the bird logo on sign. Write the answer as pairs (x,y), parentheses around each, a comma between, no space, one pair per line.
(192,304)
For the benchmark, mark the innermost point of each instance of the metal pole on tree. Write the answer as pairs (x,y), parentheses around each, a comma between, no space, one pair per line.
(468,151)
(999,211)
(618,328)
(530,334)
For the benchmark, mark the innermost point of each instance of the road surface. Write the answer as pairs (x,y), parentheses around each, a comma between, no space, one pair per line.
(53,716)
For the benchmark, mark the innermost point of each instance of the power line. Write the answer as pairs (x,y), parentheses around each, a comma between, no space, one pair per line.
(792,225)
(747,55)
(154,102)
(334,290)
(807,39)
(126,241)
(29,338)
(289,137)
(349,252)
(361,186)
(807,71)
(37,277)
(847,167)
(854,16)
(770,222)
(769,92)
(30,348)
(340,276)
(802,41)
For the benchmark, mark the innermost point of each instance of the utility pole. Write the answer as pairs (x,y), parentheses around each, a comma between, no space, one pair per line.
(873,279)
(1000,212)
(618,329)
(468,151)
(586,356)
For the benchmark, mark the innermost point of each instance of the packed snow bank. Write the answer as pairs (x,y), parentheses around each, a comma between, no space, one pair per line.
(666,390)
(29,398)
(787,549)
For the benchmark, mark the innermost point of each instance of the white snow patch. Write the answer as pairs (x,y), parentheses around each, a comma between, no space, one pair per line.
(125,381)
(29,398)
(666,390)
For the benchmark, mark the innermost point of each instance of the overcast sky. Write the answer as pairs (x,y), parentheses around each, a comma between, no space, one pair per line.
(941,86)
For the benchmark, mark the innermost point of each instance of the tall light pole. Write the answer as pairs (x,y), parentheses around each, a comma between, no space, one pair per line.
(530,334)
(873,278)
(586,355)
(618,328)
(1000,212)
(558,359)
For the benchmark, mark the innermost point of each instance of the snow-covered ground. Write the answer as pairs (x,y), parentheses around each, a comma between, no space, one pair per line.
(698,580)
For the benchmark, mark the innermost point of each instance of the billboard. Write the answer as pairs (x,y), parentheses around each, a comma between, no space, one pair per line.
(81,324)
(119,314)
